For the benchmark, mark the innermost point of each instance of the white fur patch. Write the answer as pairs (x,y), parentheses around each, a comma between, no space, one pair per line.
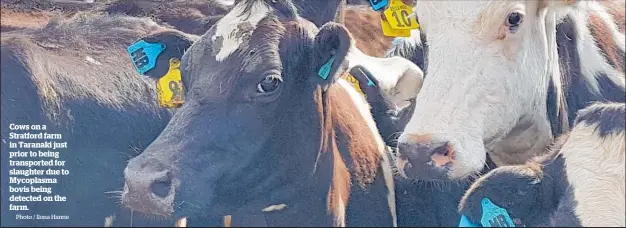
(398,77)
(340,220)
(391,197)
(227,26)
(226,2)
(92,60)
(595,169)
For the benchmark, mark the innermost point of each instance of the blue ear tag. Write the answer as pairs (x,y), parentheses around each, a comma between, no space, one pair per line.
(325,69)
(378,4)
(465,222)
(144,55)
(494,216)
(370,83)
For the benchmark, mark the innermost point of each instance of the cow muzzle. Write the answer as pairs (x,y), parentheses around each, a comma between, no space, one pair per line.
(149,190)
(425,157)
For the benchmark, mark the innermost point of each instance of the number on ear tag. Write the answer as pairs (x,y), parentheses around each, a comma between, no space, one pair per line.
(389,31)
(144,55)
(494,216)
(378,4)
(170,87)
(400,15)
(325,69)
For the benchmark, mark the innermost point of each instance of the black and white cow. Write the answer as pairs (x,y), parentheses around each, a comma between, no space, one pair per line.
(503,78)
(579,183)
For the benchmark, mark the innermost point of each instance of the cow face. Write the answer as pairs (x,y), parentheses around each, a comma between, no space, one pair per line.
(250,127)
(486,91)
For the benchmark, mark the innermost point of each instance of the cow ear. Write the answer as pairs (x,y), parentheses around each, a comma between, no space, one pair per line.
(332,43)
(151,54)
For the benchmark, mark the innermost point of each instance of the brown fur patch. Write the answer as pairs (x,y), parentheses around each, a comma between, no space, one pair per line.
(419,138)
(348,122)
(12,20)
(617,10)
(605,41)
(342,118)
(339,191)
(364,24)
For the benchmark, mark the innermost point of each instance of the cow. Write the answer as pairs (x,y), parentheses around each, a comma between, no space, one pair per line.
(73,75)
(504,78)
(263,127)
(580,182)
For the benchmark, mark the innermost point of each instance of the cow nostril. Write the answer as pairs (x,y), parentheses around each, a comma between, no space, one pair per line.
(442,150)
(161,187)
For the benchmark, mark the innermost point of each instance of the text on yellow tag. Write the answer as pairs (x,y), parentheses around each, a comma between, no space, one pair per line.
(170,87)
(400,15)
(389,31)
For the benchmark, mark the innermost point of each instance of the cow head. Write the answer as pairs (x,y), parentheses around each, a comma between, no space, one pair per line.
(250,130)
(488,76)
(524,191)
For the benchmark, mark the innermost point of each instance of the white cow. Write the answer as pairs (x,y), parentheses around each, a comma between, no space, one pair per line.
(580,182)
(504,78)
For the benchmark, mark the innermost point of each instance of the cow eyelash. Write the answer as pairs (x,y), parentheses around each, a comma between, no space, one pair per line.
(269,84)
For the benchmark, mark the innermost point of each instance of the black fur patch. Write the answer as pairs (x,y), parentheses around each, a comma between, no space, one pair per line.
(609,118)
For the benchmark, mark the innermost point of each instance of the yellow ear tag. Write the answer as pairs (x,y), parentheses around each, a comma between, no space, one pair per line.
(355,83)
(170,87)
(400,15)
(389,31)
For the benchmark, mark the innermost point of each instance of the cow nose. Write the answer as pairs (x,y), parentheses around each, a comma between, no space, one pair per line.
(425,157)
(162,184)
(149,186)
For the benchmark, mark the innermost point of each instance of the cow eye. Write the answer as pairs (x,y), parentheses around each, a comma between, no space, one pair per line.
(514,20)
(269,84)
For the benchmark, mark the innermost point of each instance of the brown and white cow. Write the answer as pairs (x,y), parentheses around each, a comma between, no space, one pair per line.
(260,127)
(504,78)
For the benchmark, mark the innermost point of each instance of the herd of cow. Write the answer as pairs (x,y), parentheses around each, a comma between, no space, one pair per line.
(507,103)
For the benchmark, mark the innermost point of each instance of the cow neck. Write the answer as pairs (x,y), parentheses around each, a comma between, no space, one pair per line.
(310,169)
